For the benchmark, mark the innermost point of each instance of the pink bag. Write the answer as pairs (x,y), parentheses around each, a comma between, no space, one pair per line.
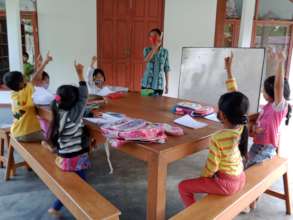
(138,130)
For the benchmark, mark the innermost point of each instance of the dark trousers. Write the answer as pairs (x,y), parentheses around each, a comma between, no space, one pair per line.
(57,205)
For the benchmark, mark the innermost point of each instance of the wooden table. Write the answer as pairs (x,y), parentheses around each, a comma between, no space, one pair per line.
(157,156)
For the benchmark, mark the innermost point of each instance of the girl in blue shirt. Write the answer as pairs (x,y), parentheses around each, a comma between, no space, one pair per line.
(157,65)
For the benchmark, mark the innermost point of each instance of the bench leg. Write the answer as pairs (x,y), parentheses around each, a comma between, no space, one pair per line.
(10,163)
(287,193)
(2,143)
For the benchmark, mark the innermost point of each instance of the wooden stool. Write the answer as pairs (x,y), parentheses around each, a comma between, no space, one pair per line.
(9,161)
(4,142)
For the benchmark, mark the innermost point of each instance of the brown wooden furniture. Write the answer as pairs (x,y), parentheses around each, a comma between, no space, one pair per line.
(127,23)
(78,197)
(4,142)
(258,179)
(157,156)
(5,138)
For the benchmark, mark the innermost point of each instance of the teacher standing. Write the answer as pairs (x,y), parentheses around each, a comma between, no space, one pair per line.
(157,66)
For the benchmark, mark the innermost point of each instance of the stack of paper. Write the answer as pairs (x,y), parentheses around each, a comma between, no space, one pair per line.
(105,91)
(188,121)
(106,118)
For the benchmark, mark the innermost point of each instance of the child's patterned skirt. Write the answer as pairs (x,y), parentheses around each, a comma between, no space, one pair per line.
(80,162)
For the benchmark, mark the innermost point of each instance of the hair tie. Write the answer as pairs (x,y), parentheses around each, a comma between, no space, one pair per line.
(244,119)
(58,98)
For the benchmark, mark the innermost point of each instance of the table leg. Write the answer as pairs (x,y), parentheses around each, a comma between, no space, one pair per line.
(10,163)
(157,174)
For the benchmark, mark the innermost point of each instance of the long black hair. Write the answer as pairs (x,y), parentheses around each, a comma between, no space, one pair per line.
(235,105)
(269,87)
(66,98)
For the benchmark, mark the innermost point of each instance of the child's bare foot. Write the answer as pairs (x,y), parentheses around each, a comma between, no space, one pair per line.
(253,205)
(47,146)
(54,213)
(246,210)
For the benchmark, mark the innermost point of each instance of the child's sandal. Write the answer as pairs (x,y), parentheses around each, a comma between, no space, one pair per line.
(54,213)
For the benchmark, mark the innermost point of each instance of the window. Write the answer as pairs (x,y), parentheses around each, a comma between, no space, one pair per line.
(277,10)
(272,28)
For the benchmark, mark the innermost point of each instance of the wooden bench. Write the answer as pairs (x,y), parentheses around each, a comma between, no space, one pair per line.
(258,180)
(82,200)
(4,142)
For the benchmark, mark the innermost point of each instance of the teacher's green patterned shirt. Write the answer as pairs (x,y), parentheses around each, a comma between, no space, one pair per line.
(153,77)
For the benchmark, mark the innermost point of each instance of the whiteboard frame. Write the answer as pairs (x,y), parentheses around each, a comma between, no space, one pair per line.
(247,48)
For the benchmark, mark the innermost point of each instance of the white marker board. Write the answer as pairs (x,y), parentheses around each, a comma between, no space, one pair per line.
(203,74)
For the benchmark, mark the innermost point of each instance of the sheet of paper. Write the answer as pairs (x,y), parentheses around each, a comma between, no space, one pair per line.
(5,97)
(119,89)
(188,121)
(212,117)
(105,91)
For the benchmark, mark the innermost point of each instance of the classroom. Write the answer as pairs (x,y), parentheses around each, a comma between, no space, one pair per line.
(146,109)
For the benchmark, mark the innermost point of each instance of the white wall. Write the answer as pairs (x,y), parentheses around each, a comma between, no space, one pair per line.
(67,29)
(187,23)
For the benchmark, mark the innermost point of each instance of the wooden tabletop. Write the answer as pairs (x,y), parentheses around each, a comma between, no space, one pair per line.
(153,109)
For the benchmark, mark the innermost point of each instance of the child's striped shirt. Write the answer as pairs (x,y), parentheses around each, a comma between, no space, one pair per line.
(224,155)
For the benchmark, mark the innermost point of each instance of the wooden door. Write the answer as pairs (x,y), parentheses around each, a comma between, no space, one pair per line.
(123,26)
(146,15)
(114,40)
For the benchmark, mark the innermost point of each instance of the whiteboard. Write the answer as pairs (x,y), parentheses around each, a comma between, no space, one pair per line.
(5,97)
(203,74)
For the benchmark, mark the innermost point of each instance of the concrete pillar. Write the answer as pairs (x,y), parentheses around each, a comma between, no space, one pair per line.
(246,25)
(14,35)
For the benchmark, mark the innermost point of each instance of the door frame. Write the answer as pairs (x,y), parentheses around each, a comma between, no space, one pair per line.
(33,15)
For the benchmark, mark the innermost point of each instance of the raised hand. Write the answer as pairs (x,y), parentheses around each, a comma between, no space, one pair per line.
(229,61)
(280,56)
(49,58)
(79,70)
(94,61)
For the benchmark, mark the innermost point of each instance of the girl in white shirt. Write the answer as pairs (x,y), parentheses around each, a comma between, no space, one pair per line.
(96,81)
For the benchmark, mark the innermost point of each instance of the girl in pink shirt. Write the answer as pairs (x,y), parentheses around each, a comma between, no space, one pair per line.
(266,130)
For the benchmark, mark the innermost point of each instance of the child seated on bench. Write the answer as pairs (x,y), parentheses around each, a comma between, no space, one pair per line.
(25,126)
(223,173)
(266,130)
(68,132)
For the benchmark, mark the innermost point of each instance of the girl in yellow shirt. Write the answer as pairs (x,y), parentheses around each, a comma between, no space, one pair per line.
(223,173)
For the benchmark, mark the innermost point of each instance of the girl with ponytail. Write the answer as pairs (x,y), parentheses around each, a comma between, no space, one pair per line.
(223,173)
